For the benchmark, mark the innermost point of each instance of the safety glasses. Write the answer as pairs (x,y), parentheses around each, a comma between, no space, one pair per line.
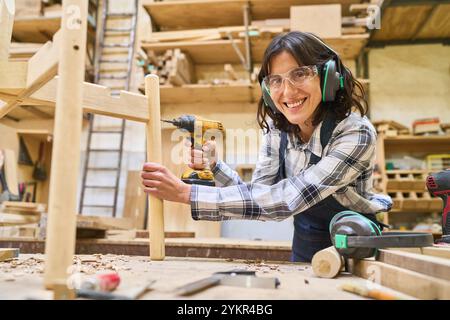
(297,77)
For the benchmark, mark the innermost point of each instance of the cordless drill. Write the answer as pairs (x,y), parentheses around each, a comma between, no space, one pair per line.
(438,185)
(197,128)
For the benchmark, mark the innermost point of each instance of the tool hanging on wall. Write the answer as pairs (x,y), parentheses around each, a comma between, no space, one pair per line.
(24,154)
(39,172)
(438,185)
(6,194)
(355,236)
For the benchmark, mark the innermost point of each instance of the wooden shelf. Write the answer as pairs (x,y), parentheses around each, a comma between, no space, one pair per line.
(195,14)
(198,93)
(222,51)
(423,144)
(35,29)
(414,22)
(40,29)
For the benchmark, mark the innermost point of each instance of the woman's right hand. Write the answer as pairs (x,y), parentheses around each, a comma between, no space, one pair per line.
(205,158)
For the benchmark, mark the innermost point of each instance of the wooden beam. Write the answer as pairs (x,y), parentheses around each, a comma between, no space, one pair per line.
(61,227)
(7,10)
(14,76)
(432,266)
(97,99)
(8,254)
(412,283)
(154,154)
(42,67)
(435,251)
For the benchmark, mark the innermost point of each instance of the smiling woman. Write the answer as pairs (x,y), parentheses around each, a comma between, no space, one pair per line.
(317,157)
(295,51)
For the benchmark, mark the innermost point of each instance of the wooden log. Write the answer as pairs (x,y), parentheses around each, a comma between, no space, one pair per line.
(327,263)
(8,253)
(154,154)
(432,266)
(7,10)
(61,228)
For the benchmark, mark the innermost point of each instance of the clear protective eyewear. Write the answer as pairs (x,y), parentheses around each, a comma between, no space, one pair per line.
(297,77)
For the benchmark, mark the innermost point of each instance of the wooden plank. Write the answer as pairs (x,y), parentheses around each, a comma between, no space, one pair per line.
(401,22)
(14,76)
(23,207)
(11,219)
(154,154)
(35,29)
(438,25)
(432,266)
(42,67)
(222,51)
(8,254)
(97,99)
(412,283)
(7,10)
(168,234)
(222,248)
(198,93)
(323,20)
(435,251)
(104,223)
(61,226)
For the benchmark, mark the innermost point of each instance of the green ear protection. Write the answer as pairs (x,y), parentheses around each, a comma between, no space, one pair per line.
(331,79)
(355,236)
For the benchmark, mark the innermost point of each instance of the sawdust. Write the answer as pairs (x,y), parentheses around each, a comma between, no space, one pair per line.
(85,264)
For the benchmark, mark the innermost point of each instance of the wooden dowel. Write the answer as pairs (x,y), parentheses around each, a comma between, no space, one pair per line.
(7,10)
(154,154)
(61,227)
(327,263)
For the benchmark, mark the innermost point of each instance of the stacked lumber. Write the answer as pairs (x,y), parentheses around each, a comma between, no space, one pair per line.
(19,213)
(391,128)
(423,273)
(173,67)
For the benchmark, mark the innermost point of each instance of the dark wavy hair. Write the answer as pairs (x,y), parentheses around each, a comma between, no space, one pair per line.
(308,50)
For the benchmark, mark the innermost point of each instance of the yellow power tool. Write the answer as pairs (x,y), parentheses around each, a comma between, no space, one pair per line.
(197,128)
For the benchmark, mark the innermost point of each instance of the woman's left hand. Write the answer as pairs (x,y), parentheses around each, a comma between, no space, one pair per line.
(158,181)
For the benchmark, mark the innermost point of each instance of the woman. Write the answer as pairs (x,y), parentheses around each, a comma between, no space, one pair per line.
(317,157)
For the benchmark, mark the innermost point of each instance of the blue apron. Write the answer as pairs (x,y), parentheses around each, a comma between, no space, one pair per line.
(311,227)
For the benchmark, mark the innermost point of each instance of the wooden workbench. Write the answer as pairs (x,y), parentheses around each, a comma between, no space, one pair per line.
(23,278)
(222,248)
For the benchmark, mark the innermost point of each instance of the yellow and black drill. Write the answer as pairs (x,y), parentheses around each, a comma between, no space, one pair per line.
(197,128)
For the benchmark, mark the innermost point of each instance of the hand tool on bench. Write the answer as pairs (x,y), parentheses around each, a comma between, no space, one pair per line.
(438,185)
(235,278)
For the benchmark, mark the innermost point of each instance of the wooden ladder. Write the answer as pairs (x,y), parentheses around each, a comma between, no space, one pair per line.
(113,64)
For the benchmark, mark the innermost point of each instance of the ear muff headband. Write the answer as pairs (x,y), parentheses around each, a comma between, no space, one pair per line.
(356,236)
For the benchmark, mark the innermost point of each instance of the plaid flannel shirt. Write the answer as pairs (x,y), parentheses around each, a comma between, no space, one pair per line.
(345,172)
